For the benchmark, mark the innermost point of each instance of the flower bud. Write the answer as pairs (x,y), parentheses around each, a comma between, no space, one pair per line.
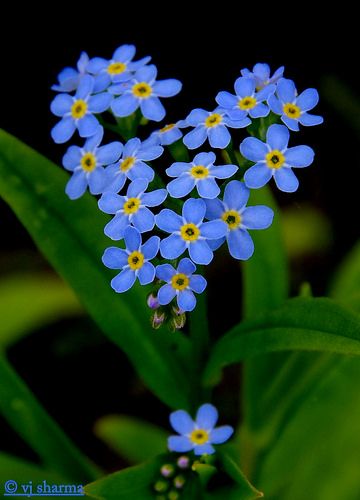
(173,495)
(157,319)
(167,470)
(161,486)
(178,321)
(179,482)
(152,301)
(183,462)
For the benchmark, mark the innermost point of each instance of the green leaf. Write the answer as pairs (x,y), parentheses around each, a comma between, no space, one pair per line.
(301,324)
(41,298)
(134,439)
(70,234)
(346,281)
(22,471)
(35,426)
(134,482)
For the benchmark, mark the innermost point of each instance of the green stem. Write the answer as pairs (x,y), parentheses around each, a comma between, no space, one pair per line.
(179,151)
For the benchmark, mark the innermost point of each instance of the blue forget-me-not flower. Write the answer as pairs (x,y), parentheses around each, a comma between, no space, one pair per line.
(261,75)
(69,78)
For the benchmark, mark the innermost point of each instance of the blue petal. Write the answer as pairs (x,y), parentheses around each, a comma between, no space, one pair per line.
(196,116)
(168,221)
(180,187)
(246,72)
(286,180)
(132,239)
(100,102)
(141,170)
(151,247)
(265,93)
(167,88)
(110,203)
(93,141)
(291,123)
(197,283)
(146,74)
(277,137)
(236,195)
(262,71)
(186,266)
(286,90)
(219,137)
(258,217)
(135,65)
(221,434)
(275,105)
(299,156)
(172,247)
(253,149)
(63,130)
(224,171)
(124,105)
(77,185)
(102,82)
(207,188)
(61,104)
(116,227)
(131,147)
(115,258)
(213,230)
(123,281)
(186,300)
(215,244)
(143,220)
(124,53)
(181,422)
(259,110)
(154,198)
(72,158)
(137,187)
(237,119)
(204,449)
(109,153)
(194,210)
(310,120)
(244,86)
(205,159)
(97,180)
(226,100)
(180,444)
(96,64)
(166,294)
(214,208)
(195,138)
(257,176)
(146,273)
(170,136)
(149,152)
(277,74)
(165,272)
(206,417)
(152,109)
(85,87)
(87,126)
(200,252)
(307,99)
(240,244)
(178,168)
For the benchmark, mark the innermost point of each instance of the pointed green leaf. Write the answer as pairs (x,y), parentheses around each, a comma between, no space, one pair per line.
(70,234)
(346,281)
(22,471)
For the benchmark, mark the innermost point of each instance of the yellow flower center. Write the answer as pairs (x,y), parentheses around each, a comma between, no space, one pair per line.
(275,159)
(142,90)
(167,128)
(136,260)
(116,68)
(78,109)
(132,205)
(247,102)
(291,110)
(180,281)
(199,436)
(88,162)
(127,163)
(232,219)
(199,172)
(189,232)
(213,120)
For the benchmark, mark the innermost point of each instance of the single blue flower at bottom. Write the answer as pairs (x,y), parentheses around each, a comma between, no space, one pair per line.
(133,261)
(239,218)
(181,283)
(199,435)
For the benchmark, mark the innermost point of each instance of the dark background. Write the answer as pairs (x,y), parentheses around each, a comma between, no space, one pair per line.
(206,53)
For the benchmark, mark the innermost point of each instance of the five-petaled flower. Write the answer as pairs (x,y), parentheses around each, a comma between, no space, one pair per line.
(120,68)
(87,164)
(246,101)
(261,75)
(189,232)
(239,218)
(274,159)
(131,209)
(133,261)
(144,91)
(132,163)
(180,283)
(200,435)
(293,108)
(200,173)
(69,78)
(77,112)
(211,125)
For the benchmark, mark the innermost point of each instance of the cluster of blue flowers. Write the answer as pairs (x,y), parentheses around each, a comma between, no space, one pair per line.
(215,209)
